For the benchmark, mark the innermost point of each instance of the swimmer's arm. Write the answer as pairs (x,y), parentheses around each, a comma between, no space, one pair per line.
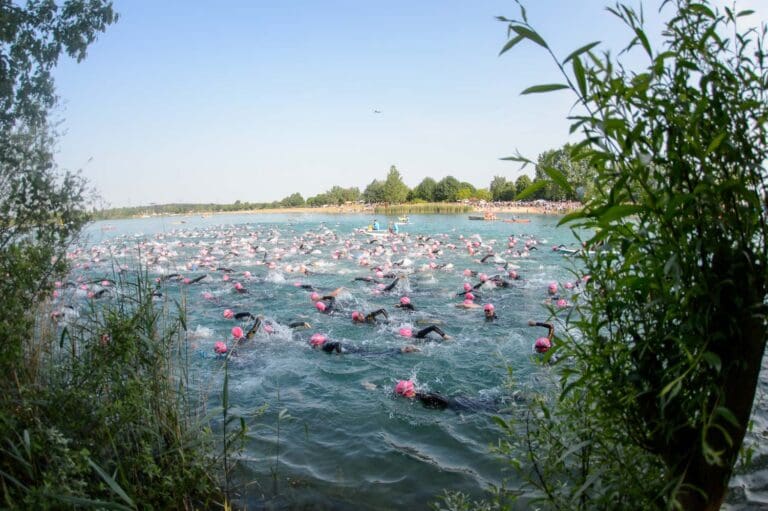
(431,400)
(299,324)
(379,312)
(549,326)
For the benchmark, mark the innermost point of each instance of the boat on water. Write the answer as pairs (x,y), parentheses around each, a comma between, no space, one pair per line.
(486,216)
(402,220)
(516,220)
(380,232)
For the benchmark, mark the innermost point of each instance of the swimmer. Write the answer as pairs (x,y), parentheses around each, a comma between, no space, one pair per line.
(391,286)
(358,317)
(405,303)
(196,279)
(543,344)
(424,332)
(242,316)
(468,304)
(320,341)
(435,401)
(299,324)
(490,312)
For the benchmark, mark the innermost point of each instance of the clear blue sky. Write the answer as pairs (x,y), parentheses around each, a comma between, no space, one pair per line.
(190,101)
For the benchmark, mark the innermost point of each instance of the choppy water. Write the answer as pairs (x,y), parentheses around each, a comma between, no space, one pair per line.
(347,442)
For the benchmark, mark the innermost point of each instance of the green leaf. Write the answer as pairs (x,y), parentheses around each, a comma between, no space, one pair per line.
(702,9)
(581,50)
(727,415)
(581,80)
(716,142)
(517,157)
(574,215)
(501,422)
(559,179)
(713,360)
(644,41)
(112,484)
(549,87)
(512,42)
(745,12)
(530,34)
(530,190)
(619,211)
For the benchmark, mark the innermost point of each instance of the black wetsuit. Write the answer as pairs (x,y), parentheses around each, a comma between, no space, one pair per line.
(421,334)
(438,402)
(371,316)
(406,306)
(338,347)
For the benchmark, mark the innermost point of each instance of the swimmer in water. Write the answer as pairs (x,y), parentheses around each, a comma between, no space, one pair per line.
(358,317)
(490,312)
(322,342)
(424,332)
(543,344)
(405,303)
(407,389)
(468,304)
(391,286)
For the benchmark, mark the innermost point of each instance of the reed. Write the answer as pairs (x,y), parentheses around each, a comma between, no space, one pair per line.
(425,208)
(101,415)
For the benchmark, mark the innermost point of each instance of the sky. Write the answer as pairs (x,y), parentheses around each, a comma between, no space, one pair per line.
(252,100)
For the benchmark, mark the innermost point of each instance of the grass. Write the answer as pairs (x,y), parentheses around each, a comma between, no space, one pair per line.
(424,208)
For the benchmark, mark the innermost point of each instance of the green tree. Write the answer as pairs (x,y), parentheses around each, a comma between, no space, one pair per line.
(447,189)
(395,190)
(521,184)
(374,192)
(41,207)
(661,371)
(483,194)
(498,185)
(425,190)
(295,200)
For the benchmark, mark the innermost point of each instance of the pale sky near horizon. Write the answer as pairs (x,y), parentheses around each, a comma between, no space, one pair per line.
(187,101)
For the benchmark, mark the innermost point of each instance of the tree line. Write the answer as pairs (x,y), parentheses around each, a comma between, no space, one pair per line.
(393,190)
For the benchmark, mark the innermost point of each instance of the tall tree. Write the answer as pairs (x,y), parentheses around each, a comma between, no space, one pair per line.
(395,190)
(498,185)
(374,192)
(425,190)
(447,189)
(41,207)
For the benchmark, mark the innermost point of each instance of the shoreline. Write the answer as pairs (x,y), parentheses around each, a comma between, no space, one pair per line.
(360,209)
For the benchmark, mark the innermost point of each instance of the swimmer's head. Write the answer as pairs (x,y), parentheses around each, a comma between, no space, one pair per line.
(562,303)
(467,286)
(512,274)
(320,306)
(568,285)
(489,309)
(228,314)
(406,332)
(317,340)
(238,286)
(469,296)
(220,348)
(542,345)
(237,332)
(468,302)
(467,272)
(405,388)
(314,296)
(483,277)
(404,300)
(552,288)
(357,316)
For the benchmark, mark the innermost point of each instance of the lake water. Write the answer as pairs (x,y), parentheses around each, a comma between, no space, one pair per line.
(345,440)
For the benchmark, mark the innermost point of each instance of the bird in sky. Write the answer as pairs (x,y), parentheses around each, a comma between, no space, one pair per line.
(377,111)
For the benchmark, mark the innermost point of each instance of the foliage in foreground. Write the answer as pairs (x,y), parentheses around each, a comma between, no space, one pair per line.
(101,414)
(659,362)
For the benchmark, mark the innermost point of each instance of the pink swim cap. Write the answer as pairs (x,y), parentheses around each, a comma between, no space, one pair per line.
(467,286)
(225,277)
(406,332)
(404,300)
(268,329)
(247,275)
(186,280)
(553,288)
(320,306)
(314,296)
(379,274)
(568,285)
(208,296)
(469,296)
(357,316)
(405,388)
(467,273)
(562,303)
(104,283)
(483,277)
(488,307)
(220,348)
(228,314)
(542,345)
(238,286)
(317,340)
(237,332)
(513,274)
(468,302)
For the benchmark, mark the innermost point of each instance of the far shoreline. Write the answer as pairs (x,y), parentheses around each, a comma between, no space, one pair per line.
(545,208)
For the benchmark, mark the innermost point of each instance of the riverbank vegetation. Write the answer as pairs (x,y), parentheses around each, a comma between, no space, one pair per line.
(658,365)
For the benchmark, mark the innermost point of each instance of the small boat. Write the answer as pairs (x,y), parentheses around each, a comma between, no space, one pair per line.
(380,232)
(486,216)
(516,220)
(402,220)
